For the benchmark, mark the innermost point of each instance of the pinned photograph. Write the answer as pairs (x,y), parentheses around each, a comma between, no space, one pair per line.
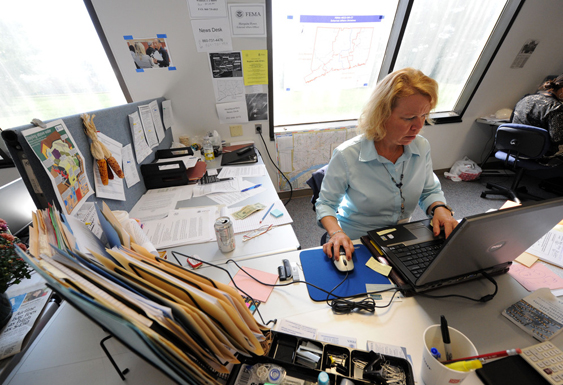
(149,53)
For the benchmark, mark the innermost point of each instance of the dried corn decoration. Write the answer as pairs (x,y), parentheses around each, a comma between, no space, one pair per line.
(106,162)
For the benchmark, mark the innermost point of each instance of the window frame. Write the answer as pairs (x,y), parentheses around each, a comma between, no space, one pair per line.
(105,44)
(404,8)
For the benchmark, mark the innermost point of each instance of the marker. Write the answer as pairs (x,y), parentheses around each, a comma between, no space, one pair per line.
(266,213)
(250,188)
(488,356)
(465,366)
(435,353)
(446,337)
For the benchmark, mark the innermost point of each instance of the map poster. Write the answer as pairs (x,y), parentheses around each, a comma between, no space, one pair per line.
(300,153)
(63,162)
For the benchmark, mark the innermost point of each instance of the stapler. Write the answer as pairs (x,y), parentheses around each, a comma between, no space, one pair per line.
(284,271)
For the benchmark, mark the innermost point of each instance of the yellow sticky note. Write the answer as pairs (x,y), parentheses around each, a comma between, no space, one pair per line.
(383,232)
(526,259)
(236,130)
(378,267)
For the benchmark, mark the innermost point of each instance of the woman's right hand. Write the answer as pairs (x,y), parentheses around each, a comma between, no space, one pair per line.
(332,247)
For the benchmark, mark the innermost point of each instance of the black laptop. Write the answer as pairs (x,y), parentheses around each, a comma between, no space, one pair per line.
(484,242)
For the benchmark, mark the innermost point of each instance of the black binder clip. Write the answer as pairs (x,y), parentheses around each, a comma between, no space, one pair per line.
(374,369)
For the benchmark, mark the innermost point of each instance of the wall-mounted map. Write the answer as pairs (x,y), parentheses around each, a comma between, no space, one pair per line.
(300,153)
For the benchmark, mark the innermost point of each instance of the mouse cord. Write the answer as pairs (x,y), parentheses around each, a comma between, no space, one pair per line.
(340,304)
(274,321)
(485,298)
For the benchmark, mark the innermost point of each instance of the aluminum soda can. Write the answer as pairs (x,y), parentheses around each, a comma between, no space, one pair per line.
(225,234)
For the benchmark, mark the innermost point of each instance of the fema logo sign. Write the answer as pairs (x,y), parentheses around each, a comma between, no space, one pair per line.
(239,14)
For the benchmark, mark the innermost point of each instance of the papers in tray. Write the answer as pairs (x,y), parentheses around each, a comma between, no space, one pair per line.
(194,325)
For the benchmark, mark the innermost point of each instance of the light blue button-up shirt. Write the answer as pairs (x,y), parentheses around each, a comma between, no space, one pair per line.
(360,193)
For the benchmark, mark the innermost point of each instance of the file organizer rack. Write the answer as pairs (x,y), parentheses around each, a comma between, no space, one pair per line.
(113,122)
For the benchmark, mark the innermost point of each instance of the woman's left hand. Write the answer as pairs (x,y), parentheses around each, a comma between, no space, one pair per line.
(443,219)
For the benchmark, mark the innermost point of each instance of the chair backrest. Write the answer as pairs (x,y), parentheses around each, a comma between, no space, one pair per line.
(522,141)
(315,182)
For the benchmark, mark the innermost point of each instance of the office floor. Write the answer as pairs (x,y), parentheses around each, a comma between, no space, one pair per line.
(464,197)
(61,360)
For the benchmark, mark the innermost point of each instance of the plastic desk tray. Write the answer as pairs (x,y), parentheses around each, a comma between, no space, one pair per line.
(283,350)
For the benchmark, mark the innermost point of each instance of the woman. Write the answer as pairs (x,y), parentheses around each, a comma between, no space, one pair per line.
(544,109)
(377,178)
(141,58)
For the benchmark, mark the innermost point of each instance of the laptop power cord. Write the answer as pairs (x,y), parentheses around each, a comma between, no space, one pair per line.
(485,298)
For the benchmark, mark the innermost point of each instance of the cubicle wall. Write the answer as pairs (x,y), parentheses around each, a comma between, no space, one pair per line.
(113,122)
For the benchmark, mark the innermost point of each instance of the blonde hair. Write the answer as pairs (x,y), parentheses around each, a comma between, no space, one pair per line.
(398,84)
(140,49)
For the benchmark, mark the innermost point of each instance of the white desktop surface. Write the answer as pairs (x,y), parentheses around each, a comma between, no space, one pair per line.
(68,352)
(278,240)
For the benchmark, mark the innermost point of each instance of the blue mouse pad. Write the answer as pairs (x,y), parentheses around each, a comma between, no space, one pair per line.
(319,270)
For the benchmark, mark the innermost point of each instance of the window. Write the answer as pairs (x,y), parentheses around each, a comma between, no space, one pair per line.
(327,55)
(52,63)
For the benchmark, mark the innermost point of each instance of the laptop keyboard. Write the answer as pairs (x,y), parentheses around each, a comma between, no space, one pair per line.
(417,257)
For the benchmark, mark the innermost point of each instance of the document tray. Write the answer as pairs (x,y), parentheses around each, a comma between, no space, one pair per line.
(166,174)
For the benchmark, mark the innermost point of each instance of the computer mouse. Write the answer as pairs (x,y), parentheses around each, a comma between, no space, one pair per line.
(343,264)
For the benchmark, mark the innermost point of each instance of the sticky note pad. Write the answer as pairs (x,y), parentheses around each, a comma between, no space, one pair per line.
(276,213)
(383,232)
(378,267)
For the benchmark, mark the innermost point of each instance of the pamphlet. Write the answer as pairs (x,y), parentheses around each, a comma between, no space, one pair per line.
(540,314)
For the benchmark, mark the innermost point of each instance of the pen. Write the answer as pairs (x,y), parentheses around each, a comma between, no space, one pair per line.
(446,337)
(488,356)
(250,188)
(266,213)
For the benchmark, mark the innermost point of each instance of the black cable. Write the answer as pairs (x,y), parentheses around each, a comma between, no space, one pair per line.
(339,305)
(232,280)
(280,171)
(485,298)
(344,306)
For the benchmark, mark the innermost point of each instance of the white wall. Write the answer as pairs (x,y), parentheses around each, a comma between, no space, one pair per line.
(191,91)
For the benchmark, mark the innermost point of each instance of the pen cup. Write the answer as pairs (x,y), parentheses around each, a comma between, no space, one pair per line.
(432,371)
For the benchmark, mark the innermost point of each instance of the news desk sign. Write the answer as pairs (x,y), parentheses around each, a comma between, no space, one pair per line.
(248,20)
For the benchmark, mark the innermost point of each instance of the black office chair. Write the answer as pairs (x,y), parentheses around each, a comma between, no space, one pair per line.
(315,182)
(520,147)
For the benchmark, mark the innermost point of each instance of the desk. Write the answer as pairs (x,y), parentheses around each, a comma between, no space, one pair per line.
(278,240)
(67,350)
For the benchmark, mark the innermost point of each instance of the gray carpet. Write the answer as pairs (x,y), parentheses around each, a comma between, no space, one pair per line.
(463,197)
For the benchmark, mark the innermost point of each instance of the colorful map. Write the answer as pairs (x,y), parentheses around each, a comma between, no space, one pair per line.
(300,153)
